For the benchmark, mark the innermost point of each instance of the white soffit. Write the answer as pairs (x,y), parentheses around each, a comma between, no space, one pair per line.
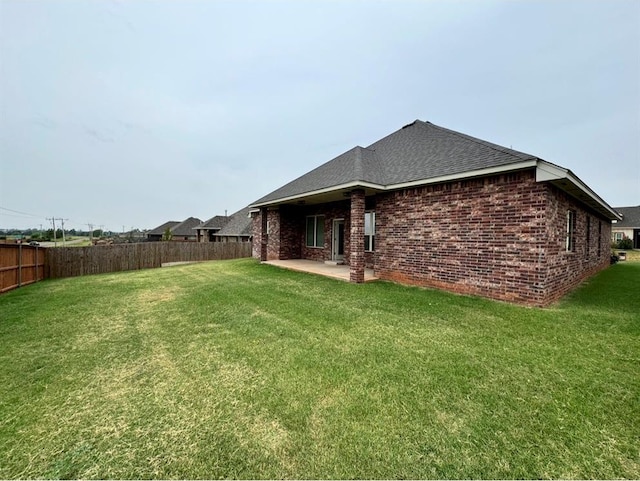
(565,180)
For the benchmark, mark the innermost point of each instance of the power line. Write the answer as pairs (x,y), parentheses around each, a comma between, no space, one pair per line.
(23,213)
(3,214)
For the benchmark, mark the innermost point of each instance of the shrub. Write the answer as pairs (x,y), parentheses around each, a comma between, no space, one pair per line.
(625,243)
(167,234)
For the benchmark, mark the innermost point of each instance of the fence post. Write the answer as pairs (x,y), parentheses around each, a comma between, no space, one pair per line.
(20,264)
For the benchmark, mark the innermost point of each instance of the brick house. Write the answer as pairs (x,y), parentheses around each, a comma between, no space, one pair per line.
(157,234)
(433,207)
(186,230)
(206,230)
(180,231)
(237,229)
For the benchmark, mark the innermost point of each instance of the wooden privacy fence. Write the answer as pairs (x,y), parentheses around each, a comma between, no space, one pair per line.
(80,261)
(20,265)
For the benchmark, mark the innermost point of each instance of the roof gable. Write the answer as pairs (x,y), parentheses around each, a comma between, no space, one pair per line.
(185,228)
(422,150)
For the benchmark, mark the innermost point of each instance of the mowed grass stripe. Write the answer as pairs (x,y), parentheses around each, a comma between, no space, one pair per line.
(238,370)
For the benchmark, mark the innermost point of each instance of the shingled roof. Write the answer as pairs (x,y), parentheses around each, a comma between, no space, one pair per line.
(420,150)
(216,222)
(630,217)
(185,228)
(422,153)
(238,225)
(160,230)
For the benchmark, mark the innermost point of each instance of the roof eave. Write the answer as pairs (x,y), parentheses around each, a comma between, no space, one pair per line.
(403,185)
(326,190)
(545,172)
(568,182)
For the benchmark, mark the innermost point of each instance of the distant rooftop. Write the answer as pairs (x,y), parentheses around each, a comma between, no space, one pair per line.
(630,217)
(238,225)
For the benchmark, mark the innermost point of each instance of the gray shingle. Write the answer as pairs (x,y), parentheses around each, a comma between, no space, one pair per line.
(216,222)
(418,151)
(630,217)
(185,228)
(162,228)
(238,225)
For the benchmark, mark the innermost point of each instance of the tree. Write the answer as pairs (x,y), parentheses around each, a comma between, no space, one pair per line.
(167,234)
(48,234)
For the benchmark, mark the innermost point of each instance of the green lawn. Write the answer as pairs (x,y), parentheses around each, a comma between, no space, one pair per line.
(232,369)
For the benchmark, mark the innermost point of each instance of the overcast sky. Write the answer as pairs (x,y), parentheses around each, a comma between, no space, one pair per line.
(123,113)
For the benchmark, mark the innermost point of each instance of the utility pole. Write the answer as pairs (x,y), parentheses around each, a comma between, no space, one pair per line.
(63,238)
(90,226)
(53,221)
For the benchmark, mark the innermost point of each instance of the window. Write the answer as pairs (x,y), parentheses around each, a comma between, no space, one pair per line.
(588,248)
(369,231)
(571,231)
(617,236)
(599,237)
(315,231)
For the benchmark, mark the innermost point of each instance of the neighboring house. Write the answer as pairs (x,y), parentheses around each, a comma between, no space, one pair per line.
(180,231)
(208,228)
(156,234)
(238,229)
(629,226)
(433,207)
(185,230)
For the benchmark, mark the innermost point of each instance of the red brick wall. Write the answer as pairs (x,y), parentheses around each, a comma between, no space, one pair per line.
(565,270)
(501,237)
(291,232)
(356,258)
(287,232)
(331,211)
(256,232)
(273,231)
(488,237)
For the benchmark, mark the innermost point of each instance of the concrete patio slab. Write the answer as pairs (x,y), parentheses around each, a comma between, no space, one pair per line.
(313,267)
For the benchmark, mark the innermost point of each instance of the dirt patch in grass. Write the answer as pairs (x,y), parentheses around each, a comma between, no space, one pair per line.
(150,296)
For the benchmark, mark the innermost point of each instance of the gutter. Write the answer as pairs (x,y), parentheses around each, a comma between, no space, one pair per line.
(545,172)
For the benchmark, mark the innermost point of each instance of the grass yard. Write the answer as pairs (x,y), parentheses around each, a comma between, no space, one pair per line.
(232,369)
(633,255)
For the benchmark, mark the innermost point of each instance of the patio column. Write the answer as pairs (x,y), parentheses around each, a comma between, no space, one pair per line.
(356,258)
(264,235)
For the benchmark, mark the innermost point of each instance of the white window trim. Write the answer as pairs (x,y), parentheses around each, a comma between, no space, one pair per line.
(315,232)
(570,243)
(373,228)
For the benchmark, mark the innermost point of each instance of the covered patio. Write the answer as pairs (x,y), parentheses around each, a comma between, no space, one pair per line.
(341,272)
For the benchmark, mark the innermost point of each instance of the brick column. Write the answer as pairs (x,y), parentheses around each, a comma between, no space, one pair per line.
(264,235)
(356,259)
